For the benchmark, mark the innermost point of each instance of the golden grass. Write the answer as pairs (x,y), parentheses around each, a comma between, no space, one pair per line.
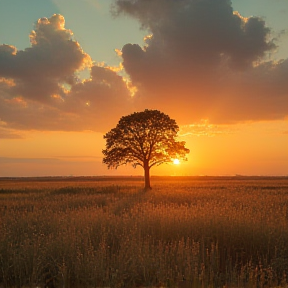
(186,232)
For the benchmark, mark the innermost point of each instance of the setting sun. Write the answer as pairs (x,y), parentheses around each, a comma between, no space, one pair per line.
(176,162)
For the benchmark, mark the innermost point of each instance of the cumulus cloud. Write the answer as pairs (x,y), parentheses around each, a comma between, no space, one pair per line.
(51,60)
(40,86)
(204,61)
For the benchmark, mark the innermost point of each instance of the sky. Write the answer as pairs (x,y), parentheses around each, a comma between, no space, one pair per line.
(70,69)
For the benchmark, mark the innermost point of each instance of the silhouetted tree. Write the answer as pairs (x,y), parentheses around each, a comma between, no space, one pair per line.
(146,139)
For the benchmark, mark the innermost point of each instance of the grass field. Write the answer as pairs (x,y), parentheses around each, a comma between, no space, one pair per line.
(108,232)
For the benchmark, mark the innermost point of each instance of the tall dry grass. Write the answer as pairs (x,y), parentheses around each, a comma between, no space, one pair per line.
(212,233)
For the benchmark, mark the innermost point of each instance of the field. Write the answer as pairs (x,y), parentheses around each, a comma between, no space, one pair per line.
(107,232)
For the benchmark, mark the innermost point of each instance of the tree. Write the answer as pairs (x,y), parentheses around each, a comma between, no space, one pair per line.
(144,139)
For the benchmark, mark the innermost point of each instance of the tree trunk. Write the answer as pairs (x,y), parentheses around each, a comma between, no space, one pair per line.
(147,176)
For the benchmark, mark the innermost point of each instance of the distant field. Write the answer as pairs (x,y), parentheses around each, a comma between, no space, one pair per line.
(108,232)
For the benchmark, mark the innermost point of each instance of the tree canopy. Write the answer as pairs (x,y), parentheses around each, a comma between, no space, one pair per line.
(144,139)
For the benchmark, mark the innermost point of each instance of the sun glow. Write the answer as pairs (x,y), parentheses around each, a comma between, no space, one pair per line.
(176,162)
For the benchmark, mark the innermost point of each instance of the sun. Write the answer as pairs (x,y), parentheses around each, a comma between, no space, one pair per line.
(176,162)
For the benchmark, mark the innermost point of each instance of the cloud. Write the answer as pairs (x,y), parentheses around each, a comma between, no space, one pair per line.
(9,134)
(204,128)
(40,86)
(52,59)
(204,61)
(104,98)
(51,160)
(87,157)
(6,160)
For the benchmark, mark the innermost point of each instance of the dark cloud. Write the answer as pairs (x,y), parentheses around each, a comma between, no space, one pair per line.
(200,32)
(94,104)
(100,100)
(40,86)
(203,60)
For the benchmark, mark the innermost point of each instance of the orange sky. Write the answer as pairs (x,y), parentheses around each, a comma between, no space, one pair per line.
(62,91)
(247,149)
